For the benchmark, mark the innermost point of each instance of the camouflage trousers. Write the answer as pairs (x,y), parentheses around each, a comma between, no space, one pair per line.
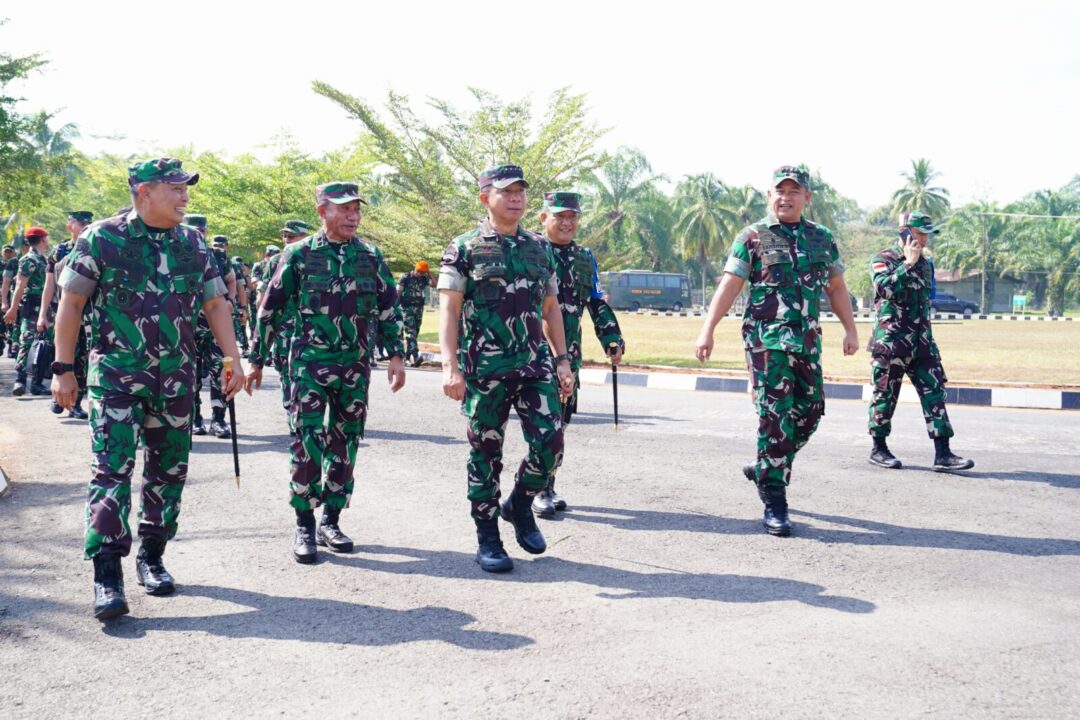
(928,377)
(239,330)
(487,406)
(117,420)
(208,360)
(279,358)
(568,409)
(412,316)
(323,452)
(789,397)
(27,335)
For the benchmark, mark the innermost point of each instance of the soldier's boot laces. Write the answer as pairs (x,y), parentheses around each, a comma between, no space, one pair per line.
(150,572)
(517,510)
(881,456)
(945,461)
(77,411)
(775,519)
(109,600)
(218,426)
(19,388)
(542,504)
(491,555)
(304,550)
(330,535)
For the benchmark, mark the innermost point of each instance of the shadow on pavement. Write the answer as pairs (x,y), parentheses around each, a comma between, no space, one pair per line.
(409,437)
(1053,479)
(608,419)
(617,584)
(315,620)
(876,533)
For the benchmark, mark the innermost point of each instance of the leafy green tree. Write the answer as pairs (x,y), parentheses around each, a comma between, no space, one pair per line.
(1049,245)
(706,223)
(918,195)
(619,189)
(974,238)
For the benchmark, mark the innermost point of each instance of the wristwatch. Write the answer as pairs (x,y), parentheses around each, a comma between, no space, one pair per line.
(59,368)
(560,358)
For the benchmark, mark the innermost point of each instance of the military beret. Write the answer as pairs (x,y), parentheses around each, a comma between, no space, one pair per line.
(167,170)
(502,176)
(36,232)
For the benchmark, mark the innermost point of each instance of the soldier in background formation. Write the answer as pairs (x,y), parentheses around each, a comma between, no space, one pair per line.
(903,344)
(146,278)
(498,285)
(579,288)
(338,285)
(788,262)
(8,264)
(24,306)
(411,289)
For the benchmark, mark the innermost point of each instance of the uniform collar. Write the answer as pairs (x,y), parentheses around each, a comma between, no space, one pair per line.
(488,231)
(319,240)
(137,228)
(772,221)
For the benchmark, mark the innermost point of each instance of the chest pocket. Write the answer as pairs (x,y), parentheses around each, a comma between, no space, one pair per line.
(776,267)
(489,272)
(186,276)
(535,260)
(583,275)
(317,280)
(366,286)
(129,276)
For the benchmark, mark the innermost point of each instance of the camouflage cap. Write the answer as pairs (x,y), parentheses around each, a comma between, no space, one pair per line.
(338,192)
(196,221)
(238,259)
(296,227)
(502,176)
(220,240)
(561,200)
(9,248)
(790,172)
(166,170)
(272,249)
(918,221)
(83,216)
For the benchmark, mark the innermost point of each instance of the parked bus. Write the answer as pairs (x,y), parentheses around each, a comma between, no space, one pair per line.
(636,289)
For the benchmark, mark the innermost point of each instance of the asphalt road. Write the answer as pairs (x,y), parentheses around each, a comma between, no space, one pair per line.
(901,593)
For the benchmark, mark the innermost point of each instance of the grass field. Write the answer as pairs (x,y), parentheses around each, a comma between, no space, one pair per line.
(973,351)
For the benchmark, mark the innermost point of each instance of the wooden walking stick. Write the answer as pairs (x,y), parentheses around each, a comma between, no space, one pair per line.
(232,421)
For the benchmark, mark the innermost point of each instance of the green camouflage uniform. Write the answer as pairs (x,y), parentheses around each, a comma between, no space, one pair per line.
(903,343)
(504,356)
(59,253)
(32,266)
(279,349)
(10,270)
(411,289)
(337,289)
(788,269)
(237,265)
(145,292)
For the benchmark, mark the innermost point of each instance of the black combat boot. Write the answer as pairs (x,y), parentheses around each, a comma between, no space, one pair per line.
(517,510)
(945,461)
(37,382)
(56,408)
(77,411)
(197,427)
(19,388)
(490,555)
(330,535)
(218,426)
(542,503)
(109,600)
(150,572)
(881,456)
(776,511)
(304,550)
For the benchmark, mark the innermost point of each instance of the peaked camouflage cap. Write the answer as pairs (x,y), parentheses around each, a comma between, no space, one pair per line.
(83,216)
(272,249)
(338,192)
(790,172)
(220,240)
(196,221)
(9,248)
(502,176)
(560,200)
(918,221)
(166,170)
(295,227)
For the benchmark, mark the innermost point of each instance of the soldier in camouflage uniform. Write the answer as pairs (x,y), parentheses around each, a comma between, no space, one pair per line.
(145,277)
(411,289)
(579,288)
(11,272)
(24,307)
(903,344)
(208,354)
(339,284)
(498,285)
(7,263)
(237,289)
(788,261)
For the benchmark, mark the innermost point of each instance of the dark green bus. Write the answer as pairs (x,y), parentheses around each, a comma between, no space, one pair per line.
(636,289)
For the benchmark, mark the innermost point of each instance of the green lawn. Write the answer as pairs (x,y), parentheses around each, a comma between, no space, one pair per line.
(973,351)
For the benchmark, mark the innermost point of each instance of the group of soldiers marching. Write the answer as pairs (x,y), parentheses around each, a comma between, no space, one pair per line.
(162,308)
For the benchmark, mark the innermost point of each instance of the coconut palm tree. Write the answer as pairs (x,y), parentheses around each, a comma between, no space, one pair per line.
(706,223)
(917,194)
(974,238)
(620,185)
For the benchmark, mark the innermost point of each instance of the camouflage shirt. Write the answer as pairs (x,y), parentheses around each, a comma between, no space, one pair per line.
(32,266)
(411,289)
(145,290)
(11,267)
(787,270)
(504,279)
(902,301)
(579,288)
(339,289)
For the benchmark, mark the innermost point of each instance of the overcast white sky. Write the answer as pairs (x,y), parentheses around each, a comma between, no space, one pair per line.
(989,92)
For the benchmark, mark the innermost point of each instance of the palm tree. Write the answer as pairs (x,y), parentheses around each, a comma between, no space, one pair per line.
(1050,245)
(917,195)
(622,182)
(975,238)
(746,202)
(705,220)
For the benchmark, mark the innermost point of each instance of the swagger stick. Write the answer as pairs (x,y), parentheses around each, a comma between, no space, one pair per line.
(612,349)
(232,421)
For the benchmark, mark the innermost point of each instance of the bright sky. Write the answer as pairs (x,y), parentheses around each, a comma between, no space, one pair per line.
(989,92)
